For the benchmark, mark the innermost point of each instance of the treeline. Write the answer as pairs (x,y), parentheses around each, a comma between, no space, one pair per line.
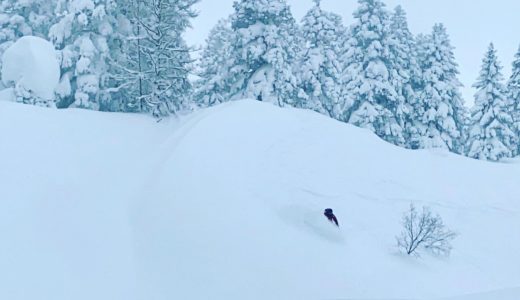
(115,55)
(374,74)
(130,56)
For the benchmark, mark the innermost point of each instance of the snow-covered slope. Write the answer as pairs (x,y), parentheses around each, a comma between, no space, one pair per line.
(227,202)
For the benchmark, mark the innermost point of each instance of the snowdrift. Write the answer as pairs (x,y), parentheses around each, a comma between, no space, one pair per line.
(226,204)
(31,63)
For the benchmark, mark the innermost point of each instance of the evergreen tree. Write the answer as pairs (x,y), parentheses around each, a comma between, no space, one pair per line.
(214,66)
(440,114)
(369,74)
(513,87)
(82,34)
(421,45)
(407,73)
(152,68)
(320,68)
(491,135)
(265,50)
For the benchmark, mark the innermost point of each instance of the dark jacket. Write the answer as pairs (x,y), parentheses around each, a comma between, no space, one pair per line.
(330,215)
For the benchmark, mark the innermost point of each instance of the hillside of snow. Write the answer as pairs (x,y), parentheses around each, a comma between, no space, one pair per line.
(226,203)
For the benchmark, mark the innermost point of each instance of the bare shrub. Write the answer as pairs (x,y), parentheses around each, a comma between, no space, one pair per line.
(424,232)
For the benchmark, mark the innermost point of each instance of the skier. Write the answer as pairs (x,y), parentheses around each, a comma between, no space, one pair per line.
(330,215)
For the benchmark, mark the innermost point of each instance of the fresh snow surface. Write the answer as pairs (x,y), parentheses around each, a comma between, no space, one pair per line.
(31,62)
(7,94)
(227,203)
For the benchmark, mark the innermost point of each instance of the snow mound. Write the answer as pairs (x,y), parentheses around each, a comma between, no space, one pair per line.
(7,95)
(31,63)
(227,203)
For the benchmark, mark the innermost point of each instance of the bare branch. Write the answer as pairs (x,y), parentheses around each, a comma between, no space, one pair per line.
(424,232)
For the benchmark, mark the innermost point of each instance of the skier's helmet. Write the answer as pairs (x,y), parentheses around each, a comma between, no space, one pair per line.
(328,211)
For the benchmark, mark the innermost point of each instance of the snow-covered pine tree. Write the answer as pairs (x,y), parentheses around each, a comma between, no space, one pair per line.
(440,114)
(373,101)
(491,134)
(513,88)
(24,17)
(265,50)
(406,77)
(421,44)
(83,34)
(320,69)
(152,68)
(12,24)
(214,65)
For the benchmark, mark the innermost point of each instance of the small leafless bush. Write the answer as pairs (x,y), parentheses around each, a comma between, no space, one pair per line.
(424,232)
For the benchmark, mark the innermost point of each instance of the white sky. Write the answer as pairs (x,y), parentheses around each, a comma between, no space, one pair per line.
(471,24)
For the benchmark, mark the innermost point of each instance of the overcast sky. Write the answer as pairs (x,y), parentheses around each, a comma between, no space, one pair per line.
(471,24)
